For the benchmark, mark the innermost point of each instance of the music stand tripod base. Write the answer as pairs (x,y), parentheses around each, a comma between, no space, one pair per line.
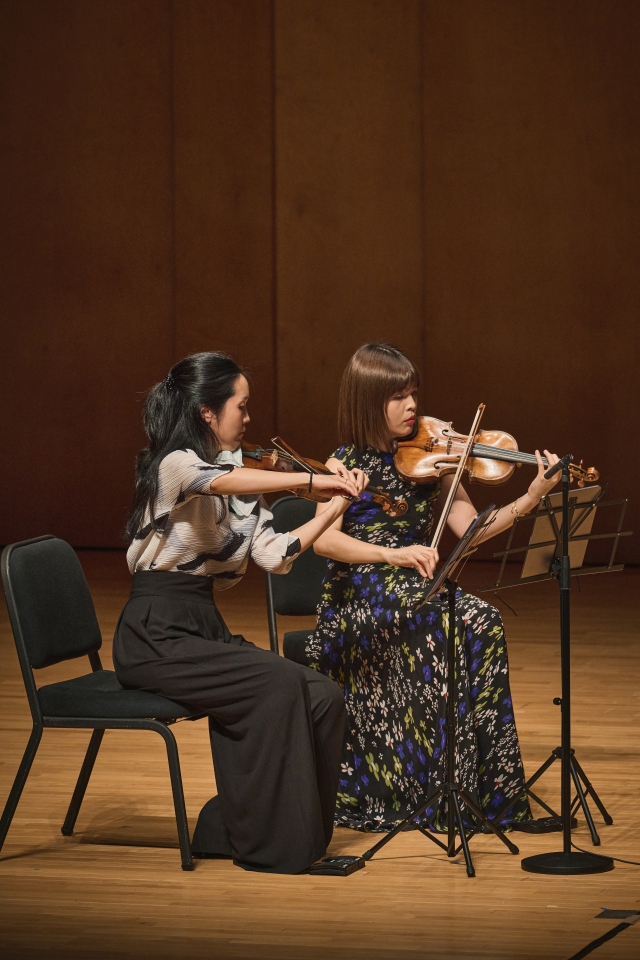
(564,864)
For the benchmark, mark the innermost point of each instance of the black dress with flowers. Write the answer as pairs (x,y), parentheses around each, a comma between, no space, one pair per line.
(386,647)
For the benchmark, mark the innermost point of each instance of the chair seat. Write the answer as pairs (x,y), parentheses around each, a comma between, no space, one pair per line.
(294,644)
(99,695)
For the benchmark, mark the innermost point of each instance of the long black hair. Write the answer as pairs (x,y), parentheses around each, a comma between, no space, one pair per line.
(173,421)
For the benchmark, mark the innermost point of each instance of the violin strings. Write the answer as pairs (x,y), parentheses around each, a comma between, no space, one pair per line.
(478,449)
(509,456)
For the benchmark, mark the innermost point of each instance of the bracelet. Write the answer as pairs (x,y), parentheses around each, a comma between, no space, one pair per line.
(310,482)
(514,509)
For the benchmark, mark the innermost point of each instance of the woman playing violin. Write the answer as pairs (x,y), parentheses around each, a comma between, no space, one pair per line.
(385,646)
(276,728)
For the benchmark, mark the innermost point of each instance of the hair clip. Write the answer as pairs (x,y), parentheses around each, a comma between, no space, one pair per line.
(169,382)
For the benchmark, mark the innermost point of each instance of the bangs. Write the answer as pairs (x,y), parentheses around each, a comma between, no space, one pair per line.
(401,379)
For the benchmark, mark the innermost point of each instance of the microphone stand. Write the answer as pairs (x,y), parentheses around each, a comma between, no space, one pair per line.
(566,861)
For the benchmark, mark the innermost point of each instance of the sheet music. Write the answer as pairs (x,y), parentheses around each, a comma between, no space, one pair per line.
(463,548)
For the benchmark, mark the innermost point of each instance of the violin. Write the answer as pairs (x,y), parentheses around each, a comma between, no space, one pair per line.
(259,458)
(284,459)
(434,449)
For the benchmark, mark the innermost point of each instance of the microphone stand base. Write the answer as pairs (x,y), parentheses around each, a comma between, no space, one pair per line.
(567,863)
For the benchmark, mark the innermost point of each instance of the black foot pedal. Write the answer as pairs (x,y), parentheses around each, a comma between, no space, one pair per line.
(543,825)
(337,866)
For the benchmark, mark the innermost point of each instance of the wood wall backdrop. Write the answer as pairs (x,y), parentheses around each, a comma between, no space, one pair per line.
(286,180)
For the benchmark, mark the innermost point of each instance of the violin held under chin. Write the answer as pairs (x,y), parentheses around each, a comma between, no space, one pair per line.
(435,449)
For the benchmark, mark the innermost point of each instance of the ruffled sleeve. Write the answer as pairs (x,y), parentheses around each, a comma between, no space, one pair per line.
(183,475)
(274,552)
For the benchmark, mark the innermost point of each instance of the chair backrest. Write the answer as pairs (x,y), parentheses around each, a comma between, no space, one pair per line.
(298,593)
(50,606)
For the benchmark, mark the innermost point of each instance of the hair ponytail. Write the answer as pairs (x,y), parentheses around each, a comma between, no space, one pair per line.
(173,421)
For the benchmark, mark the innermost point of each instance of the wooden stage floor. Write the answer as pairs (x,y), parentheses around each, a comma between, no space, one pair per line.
(115,889)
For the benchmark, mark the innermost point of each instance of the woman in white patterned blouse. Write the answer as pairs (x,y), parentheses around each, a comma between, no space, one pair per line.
(276,728)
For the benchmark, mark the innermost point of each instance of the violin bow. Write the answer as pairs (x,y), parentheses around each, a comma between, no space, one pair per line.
(457,477)
(294,457)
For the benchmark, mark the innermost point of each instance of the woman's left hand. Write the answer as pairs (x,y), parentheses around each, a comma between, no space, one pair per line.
(357,477)
(540,487)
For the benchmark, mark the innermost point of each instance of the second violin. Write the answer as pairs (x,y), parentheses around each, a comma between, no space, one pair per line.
(284,459)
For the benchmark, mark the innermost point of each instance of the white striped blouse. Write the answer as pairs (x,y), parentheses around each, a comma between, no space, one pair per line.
(207,534)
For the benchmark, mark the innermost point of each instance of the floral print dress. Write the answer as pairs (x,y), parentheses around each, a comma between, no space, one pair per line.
(386,647)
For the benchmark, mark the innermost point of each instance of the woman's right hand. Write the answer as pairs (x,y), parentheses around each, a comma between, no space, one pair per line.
(422,559)
(351,483)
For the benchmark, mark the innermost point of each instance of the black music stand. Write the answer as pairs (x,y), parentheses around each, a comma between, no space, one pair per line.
(574,515)
(456,795)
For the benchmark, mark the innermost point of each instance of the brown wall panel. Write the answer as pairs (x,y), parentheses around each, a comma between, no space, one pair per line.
(532,213)
(459,178)
(86,252)
(348,188)
(223,114)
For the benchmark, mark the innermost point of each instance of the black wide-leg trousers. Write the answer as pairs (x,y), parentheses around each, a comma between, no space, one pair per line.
(276,728)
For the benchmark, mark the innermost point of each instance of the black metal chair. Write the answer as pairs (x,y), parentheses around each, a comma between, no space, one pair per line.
(298,593)
(53,619)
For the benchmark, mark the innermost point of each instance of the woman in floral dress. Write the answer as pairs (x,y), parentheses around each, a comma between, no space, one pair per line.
(386,647)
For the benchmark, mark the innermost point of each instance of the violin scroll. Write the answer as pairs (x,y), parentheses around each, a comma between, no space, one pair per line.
(395,508)
(583,474)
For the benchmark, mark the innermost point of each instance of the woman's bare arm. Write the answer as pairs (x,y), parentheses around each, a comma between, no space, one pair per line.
(245,481)
(330,514)
(336,545)
(463,511)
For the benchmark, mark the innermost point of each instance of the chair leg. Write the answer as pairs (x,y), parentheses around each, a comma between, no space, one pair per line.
(178,798)
(83,780)
(19,782)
